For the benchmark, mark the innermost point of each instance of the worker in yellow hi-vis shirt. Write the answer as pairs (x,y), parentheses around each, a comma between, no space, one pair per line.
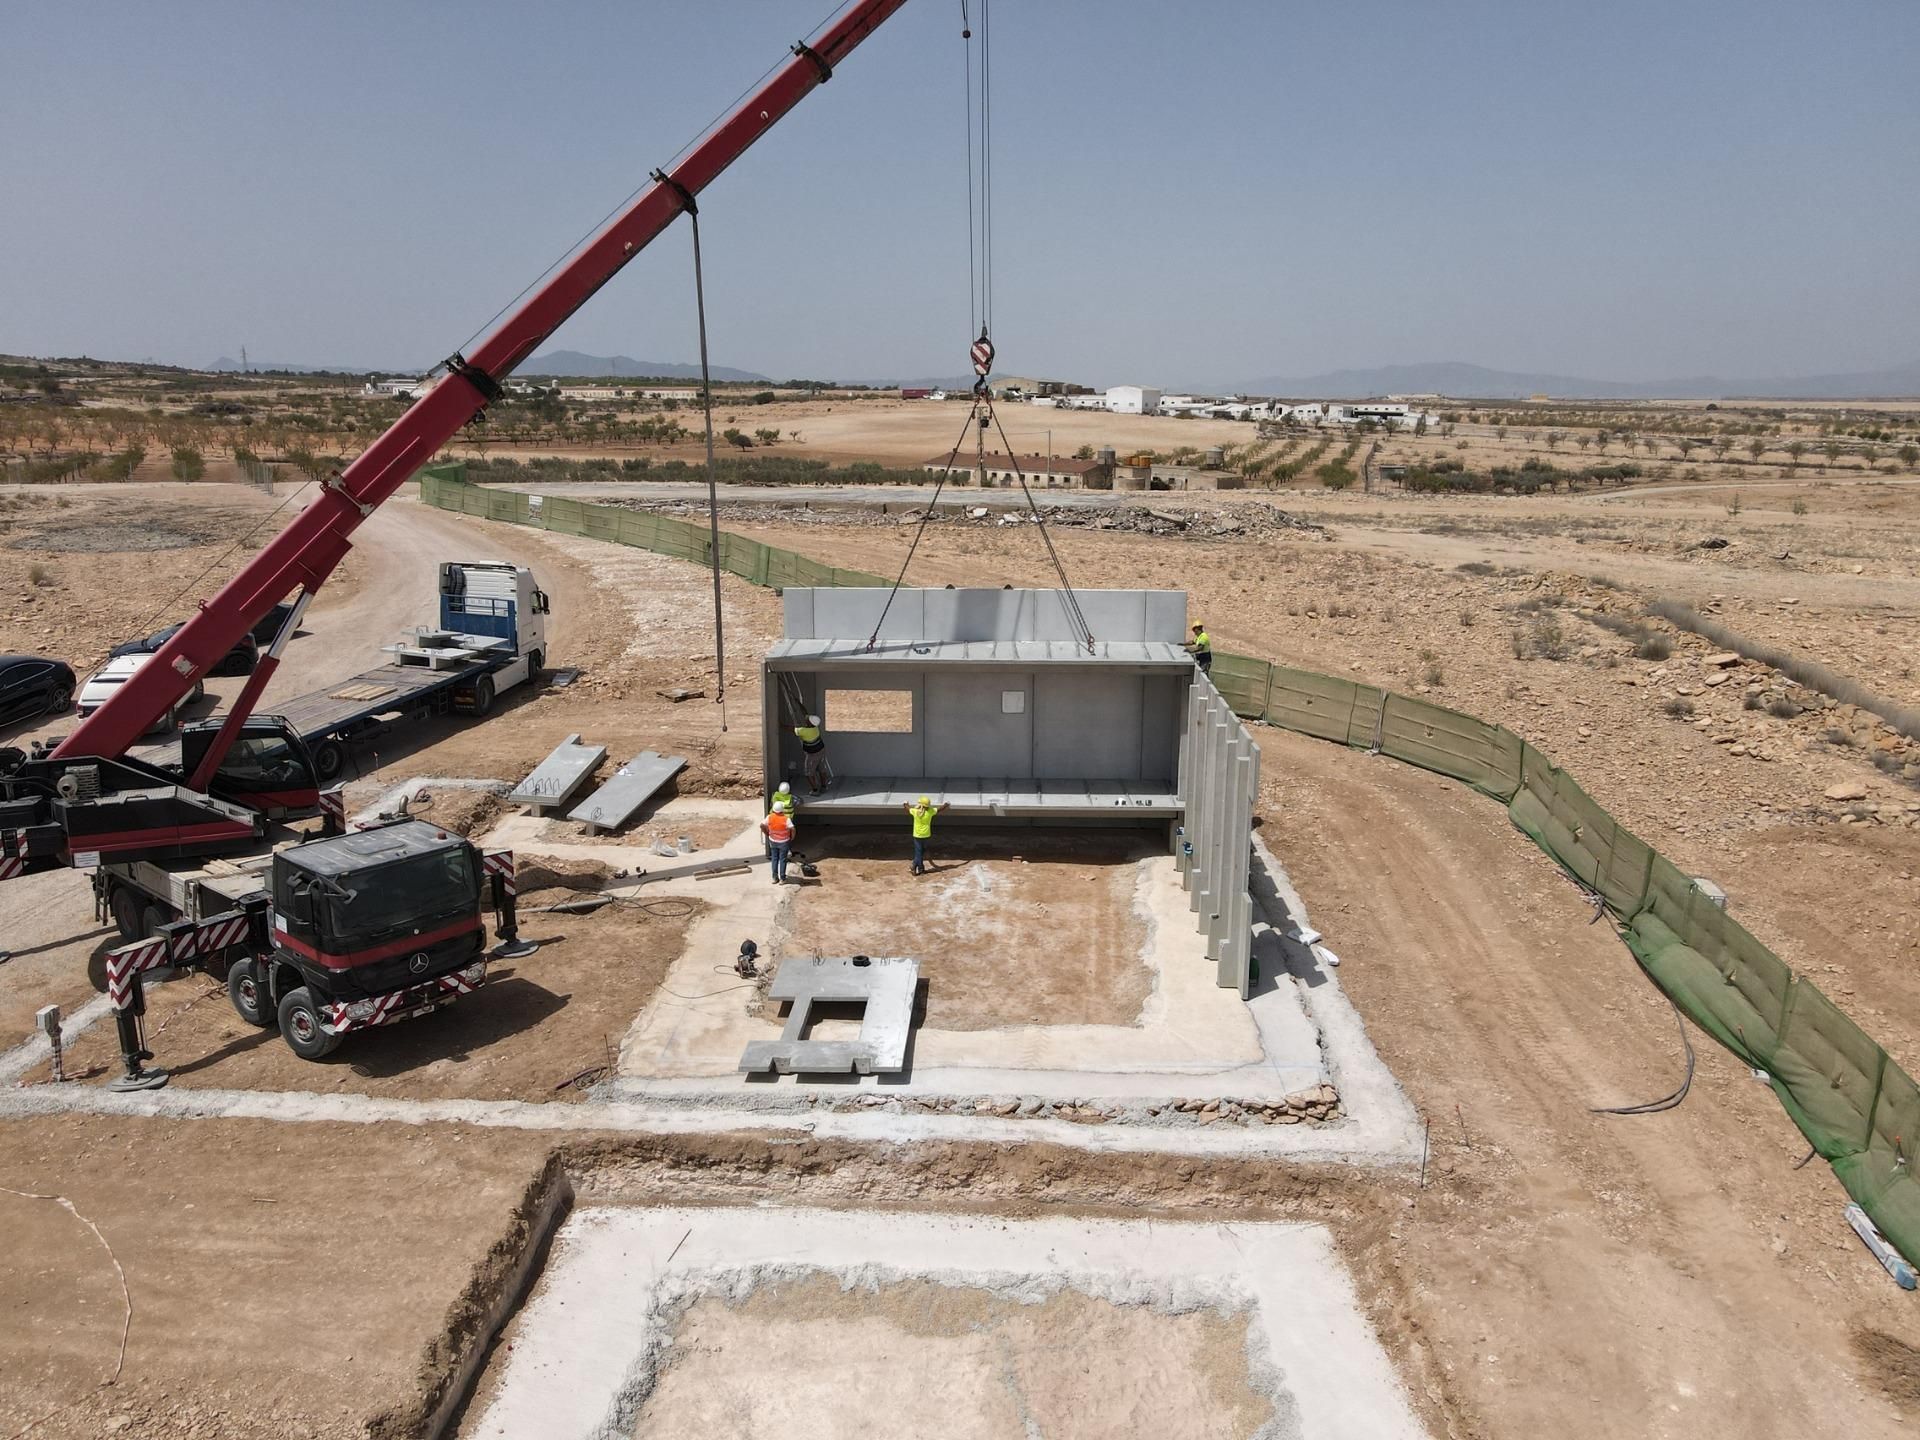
(921,812)
(1201,648)
(813,753)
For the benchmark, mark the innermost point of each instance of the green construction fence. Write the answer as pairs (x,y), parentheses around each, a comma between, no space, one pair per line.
(1856,1107)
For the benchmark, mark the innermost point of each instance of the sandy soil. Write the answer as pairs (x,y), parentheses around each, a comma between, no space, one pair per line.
(285,1280)
(1572,1273)
(973,920)
(813,1358)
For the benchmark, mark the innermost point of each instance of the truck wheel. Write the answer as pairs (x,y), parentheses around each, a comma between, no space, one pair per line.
(301,1027)
(249,993)
(126,913)
(151,919)
(329,759)
(482,696)
(536,666)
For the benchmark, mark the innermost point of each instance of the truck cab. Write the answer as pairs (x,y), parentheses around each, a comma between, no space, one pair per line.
(488,600)
(367,927)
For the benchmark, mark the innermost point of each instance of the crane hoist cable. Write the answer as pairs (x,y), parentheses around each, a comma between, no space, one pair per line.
(980,311)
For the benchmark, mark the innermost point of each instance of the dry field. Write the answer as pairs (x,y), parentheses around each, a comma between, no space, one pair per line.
(1596,1276)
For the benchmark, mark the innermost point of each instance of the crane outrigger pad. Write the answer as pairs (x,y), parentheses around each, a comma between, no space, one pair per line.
(632,785)
(558,778)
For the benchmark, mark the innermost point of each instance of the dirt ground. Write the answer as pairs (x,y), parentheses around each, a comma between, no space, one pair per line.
(814,1358)
(538,1023)
(285,1280)
(1586,1275)
(974,921)
(1574,1273)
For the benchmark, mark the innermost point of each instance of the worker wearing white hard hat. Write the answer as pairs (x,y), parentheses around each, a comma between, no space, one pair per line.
(813,753)
(783,800)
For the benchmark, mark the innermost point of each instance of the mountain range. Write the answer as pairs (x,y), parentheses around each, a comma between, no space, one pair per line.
(1480,383)
(573,362)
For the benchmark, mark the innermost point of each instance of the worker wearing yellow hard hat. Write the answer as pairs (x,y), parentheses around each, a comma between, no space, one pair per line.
(921,812)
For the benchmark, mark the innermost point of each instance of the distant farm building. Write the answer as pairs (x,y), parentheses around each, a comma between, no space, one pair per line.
(1040,470)
(1133,400)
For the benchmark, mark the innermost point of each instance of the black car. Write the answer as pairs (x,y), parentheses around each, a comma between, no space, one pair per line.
(32,685)
(239,661)
(268,625)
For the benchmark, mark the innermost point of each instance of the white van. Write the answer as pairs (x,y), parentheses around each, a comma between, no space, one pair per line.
(105,683)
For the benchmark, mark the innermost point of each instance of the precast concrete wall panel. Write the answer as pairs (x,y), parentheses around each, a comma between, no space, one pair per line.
(1220,769)
(1088,726)
(968,730)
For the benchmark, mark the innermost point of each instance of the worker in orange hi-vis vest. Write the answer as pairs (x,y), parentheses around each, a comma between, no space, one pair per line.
(778,828)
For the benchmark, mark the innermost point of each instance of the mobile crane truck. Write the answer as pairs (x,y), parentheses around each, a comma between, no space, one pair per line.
(349,915)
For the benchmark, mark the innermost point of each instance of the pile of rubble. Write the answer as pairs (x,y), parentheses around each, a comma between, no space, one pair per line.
(1317,1105)
(1189,522)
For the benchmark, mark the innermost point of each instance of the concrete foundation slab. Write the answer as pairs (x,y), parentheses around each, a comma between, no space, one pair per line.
(596,1337)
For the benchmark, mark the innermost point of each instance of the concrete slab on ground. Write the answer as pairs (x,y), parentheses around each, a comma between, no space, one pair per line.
(598,1334)
(1191,1038)
(555,779)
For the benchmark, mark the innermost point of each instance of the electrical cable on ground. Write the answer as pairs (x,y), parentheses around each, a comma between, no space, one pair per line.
(126,1296)
(1665,1102)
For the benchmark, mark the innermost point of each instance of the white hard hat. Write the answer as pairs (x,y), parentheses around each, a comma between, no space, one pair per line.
(813,719)
(785,789)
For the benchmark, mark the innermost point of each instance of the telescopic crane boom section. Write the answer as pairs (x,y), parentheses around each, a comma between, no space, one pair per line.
(306,552)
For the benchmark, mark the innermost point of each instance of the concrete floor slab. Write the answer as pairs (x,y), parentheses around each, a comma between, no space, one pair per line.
(595,1337)
(1192,1038)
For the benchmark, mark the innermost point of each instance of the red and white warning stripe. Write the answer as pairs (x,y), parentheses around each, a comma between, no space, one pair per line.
(220,933)
(13,850)
(982,355)
(126,962)
(457,984)
(11,868)
(333,805)
(500,862)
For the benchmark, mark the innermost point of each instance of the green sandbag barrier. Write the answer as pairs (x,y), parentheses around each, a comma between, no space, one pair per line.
(1857,1108)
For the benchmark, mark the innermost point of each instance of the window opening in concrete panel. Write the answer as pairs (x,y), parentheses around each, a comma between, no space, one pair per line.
(873,712)
(1013,702)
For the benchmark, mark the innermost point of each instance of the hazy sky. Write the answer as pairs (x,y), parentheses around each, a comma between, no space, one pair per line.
(1188,194)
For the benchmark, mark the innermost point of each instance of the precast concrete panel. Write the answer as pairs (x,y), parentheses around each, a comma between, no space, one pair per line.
(1220,772)
(1087,725)
(968,729)
(852,613)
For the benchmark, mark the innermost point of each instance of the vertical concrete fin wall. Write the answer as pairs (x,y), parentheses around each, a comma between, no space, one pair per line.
(1219,777)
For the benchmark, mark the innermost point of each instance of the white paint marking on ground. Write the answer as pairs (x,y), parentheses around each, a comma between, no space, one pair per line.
(592,1336)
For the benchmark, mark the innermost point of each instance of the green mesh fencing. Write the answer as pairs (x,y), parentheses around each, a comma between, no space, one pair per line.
(1855,1106)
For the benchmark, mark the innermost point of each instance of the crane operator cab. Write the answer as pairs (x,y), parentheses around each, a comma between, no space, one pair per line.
(268,768)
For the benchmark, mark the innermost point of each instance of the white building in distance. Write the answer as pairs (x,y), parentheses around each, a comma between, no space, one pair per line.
(1133,400)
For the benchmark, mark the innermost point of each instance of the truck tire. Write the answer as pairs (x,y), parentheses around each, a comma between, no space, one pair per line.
(329,760)
(127,913)
(301,1027)
(536,666)
(151,919)
(249,993)
(482,696)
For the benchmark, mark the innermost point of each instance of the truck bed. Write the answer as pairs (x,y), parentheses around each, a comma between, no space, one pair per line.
(373,692)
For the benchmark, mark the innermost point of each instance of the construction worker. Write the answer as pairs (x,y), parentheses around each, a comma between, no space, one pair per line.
(813,753)
(1201,648)
(778,828)
(783,799)
(921,812)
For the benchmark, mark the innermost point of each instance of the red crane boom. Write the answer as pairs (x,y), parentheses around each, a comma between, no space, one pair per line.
(307,551)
